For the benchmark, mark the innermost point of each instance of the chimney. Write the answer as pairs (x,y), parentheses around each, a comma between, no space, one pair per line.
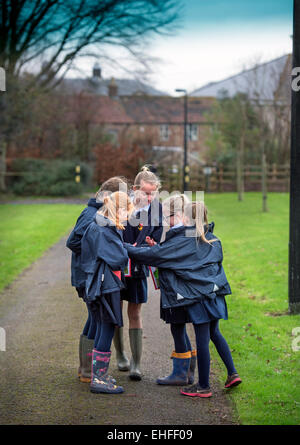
(112,88)
(97,71)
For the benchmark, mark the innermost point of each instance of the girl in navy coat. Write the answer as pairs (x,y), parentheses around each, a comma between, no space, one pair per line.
(103,258)
(147,221)
(193,286)
(78,277)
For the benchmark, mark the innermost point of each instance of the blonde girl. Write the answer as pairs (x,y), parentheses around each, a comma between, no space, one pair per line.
(103,258)
(146,222)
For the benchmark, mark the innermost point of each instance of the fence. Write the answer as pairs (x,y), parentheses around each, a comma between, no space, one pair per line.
(221,179)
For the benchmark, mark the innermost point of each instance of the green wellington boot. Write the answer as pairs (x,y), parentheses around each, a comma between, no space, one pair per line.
(122,360)
(80,355)
(135,338)
(87,348)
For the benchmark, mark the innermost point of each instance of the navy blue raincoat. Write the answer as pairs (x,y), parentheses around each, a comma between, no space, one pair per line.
(140,226)
(102,252)
(189,271)
(74,241)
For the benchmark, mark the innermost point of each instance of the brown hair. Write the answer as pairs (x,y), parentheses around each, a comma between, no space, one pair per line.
(148,176)
(111,185)
(114,202)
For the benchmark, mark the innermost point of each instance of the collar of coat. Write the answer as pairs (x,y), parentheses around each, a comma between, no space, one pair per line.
(93,203)
(102,221)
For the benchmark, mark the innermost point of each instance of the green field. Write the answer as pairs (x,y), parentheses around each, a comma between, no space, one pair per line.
(26,231)
(259,329)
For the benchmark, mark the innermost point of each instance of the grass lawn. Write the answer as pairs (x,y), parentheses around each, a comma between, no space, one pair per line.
(26,231)
(259,330)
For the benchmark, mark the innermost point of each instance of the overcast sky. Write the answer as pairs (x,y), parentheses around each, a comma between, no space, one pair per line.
(217,39)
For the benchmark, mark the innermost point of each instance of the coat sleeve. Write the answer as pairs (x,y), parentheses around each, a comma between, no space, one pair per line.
(165,255)
(112,251)
(74,242)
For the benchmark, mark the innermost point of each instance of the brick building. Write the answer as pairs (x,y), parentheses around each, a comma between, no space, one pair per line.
(130,109)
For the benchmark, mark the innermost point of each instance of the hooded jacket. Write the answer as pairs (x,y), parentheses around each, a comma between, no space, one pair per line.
(74,241)
(141,225)
(102,252)
(189,271)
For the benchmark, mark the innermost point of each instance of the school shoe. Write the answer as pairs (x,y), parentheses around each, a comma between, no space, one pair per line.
(80,355)
(233,380)
(192,367)
(100,383)
(179,376)
(122,360)
(196,391)
(135,339)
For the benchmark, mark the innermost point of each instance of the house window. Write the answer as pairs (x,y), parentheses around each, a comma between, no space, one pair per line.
(113,134)
(164,132)
(192,131)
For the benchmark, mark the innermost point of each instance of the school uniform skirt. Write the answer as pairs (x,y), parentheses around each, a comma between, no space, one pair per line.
(136,290)
(203,311)
(108,308)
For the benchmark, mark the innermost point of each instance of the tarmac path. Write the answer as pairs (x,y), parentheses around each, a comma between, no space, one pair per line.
(43,318)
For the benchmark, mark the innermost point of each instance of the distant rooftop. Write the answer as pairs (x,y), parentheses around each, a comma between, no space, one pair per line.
(96,84)
(264,81)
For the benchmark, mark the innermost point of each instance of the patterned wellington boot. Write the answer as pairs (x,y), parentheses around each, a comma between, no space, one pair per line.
(99,381)
(122,360)
(192,368)
(179,376)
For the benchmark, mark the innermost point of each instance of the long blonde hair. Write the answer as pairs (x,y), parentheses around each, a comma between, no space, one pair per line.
(197,212)
(148,176)
(112,205)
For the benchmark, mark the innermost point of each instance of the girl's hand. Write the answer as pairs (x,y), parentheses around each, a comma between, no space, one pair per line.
(134,244)
(150,241)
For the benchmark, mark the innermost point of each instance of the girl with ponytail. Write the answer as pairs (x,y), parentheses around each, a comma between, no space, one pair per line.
(87,336)
(193,287)
(103,259)
(147,221)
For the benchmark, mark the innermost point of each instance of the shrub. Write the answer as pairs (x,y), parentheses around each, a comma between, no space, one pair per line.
(49,177)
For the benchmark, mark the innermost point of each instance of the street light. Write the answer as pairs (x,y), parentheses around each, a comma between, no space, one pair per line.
(294,244)
(186,168)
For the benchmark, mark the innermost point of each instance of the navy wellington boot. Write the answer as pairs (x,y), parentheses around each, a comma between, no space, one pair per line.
(179,376)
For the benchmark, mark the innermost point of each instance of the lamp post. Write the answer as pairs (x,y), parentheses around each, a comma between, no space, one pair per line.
(186,168)
(294,245)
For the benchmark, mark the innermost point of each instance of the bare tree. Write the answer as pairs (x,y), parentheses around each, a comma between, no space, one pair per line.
(62,30)
(52,34)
